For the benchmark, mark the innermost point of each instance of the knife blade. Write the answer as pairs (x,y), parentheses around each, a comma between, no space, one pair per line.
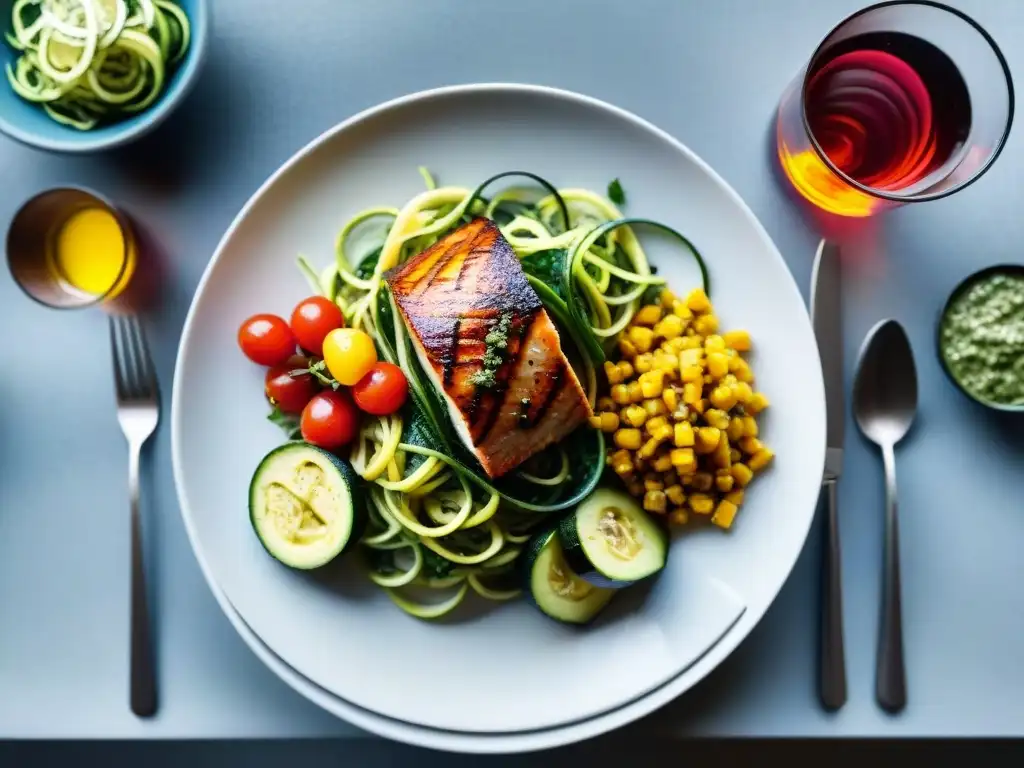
(827,319)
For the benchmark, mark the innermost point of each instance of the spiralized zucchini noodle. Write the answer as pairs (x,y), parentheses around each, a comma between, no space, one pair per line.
(90,61)
(435,523)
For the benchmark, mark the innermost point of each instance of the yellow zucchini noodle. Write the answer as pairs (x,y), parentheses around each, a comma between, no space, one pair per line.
(433,526)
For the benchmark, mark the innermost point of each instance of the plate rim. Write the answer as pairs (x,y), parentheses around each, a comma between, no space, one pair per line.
(538,739)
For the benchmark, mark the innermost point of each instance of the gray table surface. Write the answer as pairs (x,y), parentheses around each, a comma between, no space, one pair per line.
(709,72)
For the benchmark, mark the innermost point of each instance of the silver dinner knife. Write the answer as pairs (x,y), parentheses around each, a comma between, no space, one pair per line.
(827,318)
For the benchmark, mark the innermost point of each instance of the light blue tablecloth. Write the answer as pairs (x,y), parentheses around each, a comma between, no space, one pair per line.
(709,72)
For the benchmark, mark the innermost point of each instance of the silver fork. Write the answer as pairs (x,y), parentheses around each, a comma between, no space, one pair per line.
(138,409)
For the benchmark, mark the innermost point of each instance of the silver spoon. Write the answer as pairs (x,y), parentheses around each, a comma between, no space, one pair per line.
(884,404)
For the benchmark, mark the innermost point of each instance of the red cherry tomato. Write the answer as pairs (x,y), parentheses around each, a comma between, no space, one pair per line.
(382,391)
(313,319)
(330,420)
(291,393)
(266,339)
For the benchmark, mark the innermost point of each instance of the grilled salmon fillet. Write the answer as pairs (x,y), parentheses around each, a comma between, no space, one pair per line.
(483,336)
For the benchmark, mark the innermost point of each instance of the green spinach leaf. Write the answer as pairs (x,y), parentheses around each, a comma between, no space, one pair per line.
(616,193)
(289,422)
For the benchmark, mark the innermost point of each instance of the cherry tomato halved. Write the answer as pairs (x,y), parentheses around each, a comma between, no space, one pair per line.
(349,354)
(289,392)
(382,391)
(330,420)
(313,319)
(266,339)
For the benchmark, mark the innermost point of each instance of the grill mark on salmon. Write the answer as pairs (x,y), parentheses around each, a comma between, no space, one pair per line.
(557,379)
(451,296)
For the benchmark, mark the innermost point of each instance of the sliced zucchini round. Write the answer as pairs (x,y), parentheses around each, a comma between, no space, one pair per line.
(554,588)
(611,542)
(306,505)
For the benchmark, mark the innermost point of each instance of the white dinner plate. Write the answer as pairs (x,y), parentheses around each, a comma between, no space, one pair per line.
(507,670)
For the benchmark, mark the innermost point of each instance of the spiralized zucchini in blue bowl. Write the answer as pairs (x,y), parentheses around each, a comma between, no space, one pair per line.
(88,74)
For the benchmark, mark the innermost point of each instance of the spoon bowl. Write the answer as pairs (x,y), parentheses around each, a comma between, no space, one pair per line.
(885,388)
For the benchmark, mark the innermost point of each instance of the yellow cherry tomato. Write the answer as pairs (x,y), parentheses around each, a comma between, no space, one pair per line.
(349,354)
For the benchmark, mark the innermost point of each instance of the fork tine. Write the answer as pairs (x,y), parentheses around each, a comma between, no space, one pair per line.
(116,355)
(141,366)
(146,369)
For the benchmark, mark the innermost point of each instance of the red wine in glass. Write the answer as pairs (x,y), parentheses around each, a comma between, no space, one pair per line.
(889,109)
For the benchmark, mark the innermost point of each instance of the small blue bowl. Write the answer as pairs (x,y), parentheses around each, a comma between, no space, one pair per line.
(30,125)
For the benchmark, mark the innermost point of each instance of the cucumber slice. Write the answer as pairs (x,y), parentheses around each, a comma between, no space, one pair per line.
(306,505)
(611,542)
(554,588)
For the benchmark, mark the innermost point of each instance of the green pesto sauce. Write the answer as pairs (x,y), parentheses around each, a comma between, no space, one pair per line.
(982,338)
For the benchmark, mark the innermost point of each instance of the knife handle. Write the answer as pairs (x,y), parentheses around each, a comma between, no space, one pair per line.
(833,655)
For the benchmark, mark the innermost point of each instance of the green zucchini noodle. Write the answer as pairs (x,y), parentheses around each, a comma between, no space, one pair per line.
(91,61)
(435,528)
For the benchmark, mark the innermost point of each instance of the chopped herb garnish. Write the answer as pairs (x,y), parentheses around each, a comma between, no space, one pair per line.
(496,342)
(616,193)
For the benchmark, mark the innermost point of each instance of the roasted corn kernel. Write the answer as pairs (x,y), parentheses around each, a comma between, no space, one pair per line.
(652,383)
(606,422)
(722,397)
(634,415)
(620,394)
(662,463)
(738,340)
(655,407)
(655,501)
(707,439)
(742,391)
(627,349)
(750,445)
(652,482)
(629,439)
(697,301)
(682,434)
(679,517)
(760,460)
(684,460)
(648,315)
(724,480)
(642,338)
(724,514)
(717,418)
(721,457)
(676,494)
(714,343)
(701,503)
(671,398)
(705,325)
(718,364)
(670,328)
(742,474)
(757,403)
(643,363)
(736,429)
